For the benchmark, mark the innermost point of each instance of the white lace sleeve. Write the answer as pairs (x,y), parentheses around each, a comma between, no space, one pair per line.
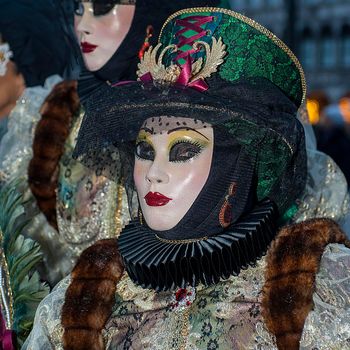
(47,330)
(327,326)
(16,144)
(15,155)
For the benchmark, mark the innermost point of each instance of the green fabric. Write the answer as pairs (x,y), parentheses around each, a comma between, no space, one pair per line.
(253,54)
(273,156)
(288,215)
(250,53)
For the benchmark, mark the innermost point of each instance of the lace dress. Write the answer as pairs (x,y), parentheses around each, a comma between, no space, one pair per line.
(89,207)
(224,316)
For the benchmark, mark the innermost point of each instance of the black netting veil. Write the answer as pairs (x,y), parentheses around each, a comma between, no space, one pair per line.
(255,112)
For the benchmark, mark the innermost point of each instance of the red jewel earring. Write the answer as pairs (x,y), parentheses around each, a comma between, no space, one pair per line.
(225,215)
(146,44)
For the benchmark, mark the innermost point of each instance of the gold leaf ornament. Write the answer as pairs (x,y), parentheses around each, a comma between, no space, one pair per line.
(160,73)
(214,57)
(169,75)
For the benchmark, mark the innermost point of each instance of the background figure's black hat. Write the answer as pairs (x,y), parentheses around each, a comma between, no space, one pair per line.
(123,64)
(36,37)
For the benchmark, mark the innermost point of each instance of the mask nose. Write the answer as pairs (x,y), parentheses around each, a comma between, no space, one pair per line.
(157,174)
(84,23)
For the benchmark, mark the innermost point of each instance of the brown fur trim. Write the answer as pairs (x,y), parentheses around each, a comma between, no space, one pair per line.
(91,296)
(51,134)
(292,264)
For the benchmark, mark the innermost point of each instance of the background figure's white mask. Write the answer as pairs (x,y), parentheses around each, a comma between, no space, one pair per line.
(100,36)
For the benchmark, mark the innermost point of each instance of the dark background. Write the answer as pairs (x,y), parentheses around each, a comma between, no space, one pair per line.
(318,32)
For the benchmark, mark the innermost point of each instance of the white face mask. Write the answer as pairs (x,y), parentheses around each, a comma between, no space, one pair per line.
(5,55)
(101,35)
(170,171)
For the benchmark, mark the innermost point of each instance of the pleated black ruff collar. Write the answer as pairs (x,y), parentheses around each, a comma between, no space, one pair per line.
(153,262)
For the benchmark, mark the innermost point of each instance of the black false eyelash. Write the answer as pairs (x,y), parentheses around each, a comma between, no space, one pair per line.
(193,143)
(135,152)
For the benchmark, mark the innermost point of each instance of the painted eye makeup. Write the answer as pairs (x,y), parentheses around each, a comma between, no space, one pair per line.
(185,150)
(144,150)
(98,8)
(78,8)
(101,9)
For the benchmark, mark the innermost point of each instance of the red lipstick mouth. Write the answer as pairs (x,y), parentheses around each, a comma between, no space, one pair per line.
(87,47)
(156,199)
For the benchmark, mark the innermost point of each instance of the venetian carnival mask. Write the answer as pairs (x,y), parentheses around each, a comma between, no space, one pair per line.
(101,27)
(171,169)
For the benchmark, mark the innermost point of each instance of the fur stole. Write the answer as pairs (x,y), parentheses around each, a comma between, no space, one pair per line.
(50,136)
(91,296)
(292,264)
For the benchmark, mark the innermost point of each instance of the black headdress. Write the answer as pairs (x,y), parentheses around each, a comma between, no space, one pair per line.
(34,32)
(123,64)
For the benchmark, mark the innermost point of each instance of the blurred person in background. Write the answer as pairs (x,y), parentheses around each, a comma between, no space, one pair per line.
(333,133)
(34,56)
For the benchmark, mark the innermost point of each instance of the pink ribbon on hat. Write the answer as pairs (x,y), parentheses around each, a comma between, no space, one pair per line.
(184,77)
(193,23)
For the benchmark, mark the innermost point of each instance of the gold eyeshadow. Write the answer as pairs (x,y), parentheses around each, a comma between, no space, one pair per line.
(144,136)
(188,136)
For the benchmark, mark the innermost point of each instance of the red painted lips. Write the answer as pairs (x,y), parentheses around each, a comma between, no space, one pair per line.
(156,199)
(87,47)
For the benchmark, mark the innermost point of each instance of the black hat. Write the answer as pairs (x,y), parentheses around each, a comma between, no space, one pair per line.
(220,67)
(123,64)
(36,37)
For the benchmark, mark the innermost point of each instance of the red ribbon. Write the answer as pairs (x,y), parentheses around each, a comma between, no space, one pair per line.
(6,336)
(193,23)
(146,78)
(184,77)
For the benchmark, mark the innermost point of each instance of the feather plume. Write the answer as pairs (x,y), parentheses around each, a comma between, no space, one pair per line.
(21,288)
